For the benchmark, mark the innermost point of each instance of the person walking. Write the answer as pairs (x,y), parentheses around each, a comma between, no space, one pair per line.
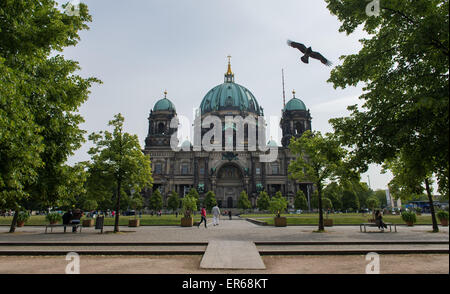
(203,218)
(229,214)
(216,215)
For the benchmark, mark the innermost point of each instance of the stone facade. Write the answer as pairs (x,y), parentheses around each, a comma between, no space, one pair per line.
(227,173)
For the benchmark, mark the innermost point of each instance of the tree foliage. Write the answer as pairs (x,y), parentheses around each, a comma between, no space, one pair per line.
(156,201)
(174,201)
(243,202)
(210,200)
(318,159)
(119,164)
(277,205)
(263,200)
(39,98)
(404,66)
(300,201)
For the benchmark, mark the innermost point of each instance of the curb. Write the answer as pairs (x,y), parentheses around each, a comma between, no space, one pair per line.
(258,243)
(354,252)
(201,252)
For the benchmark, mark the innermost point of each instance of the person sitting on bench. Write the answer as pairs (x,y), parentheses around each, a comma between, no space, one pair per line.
(77,214)
(379,221)
(67,217)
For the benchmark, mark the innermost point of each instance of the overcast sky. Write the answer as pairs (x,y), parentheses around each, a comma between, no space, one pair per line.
(139,48)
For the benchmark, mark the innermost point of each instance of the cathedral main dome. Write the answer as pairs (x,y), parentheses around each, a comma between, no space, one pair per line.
(230,96)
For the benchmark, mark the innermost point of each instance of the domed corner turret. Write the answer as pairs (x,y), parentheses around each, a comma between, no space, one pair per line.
(296,119)
(164,104)
(295,104)
(161,127)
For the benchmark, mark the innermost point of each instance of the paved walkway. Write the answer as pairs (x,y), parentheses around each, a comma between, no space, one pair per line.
(234,230)
(232,255)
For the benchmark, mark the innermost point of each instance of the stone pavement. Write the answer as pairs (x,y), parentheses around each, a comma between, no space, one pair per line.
(232,255)
(229,230)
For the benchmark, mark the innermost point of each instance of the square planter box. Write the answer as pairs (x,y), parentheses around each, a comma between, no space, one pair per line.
(280,221)
(444,222)
(88,223)
(328,222)
(133,223)
(187,222)
(20,224)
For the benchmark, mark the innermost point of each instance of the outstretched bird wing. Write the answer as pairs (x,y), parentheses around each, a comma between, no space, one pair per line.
(299,46)
(317,55)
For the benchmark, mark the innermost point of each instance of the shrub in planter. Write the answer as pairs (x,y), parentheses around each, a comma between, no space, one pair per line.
(409,217)
(328,222)
(133,222)
(276,205)
(89,222)
(189,204)
(443,217)
(22,218)
(53,218)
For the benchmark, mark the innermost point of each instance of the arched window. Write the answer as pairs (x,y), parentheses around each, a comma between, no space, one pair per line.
(161,128)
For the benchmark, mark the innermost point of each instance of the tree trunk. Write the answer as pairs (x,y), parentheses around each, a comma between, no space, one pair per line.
(116,223)
(12,228)
(430,199)
(319,190)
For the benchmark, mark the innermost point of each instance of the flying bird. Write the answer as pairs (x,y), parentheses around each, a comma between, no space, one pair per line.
(309,53)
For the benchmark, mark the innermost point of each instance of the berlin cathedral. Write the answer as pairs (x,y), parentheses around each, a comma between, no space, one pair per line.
(227,174)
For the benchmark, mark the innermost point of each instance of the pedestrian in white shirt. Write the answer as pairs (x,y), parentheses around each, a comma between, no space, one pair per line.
(216,215)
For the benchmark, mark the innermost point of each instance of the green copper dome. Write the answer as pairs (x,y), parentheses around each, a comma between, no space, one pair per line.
(164,104)
(295,104)
(230,96)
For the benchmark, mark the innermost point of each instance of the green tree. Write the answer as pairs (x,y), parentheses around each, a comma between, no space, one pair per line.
(243,202)
(117,158)
(411,176)
(403,65)
(300,201)
(327,205)
(278,194)
(174,201)
(350,201)
(156,201)
(193,193)
(40,95)
(263,200)
(318,159)
(381,196)
(189,205)
(277,205)
(333,191)
(210,200)
(89,205)
(373,203)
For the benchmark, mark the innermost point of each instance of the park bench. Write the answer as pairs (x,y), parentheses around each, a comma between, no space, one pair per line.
(65,227)
(375,225)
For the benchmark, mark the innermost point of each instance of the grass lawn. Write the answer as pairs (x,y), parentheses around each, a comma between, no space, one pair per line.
(338,219)
(293,219)
(145,220)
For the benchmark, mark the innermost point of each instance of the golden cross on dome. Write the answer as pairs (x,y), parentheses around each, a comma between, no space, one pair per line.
(293,92)
(229,72)
(165,93)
